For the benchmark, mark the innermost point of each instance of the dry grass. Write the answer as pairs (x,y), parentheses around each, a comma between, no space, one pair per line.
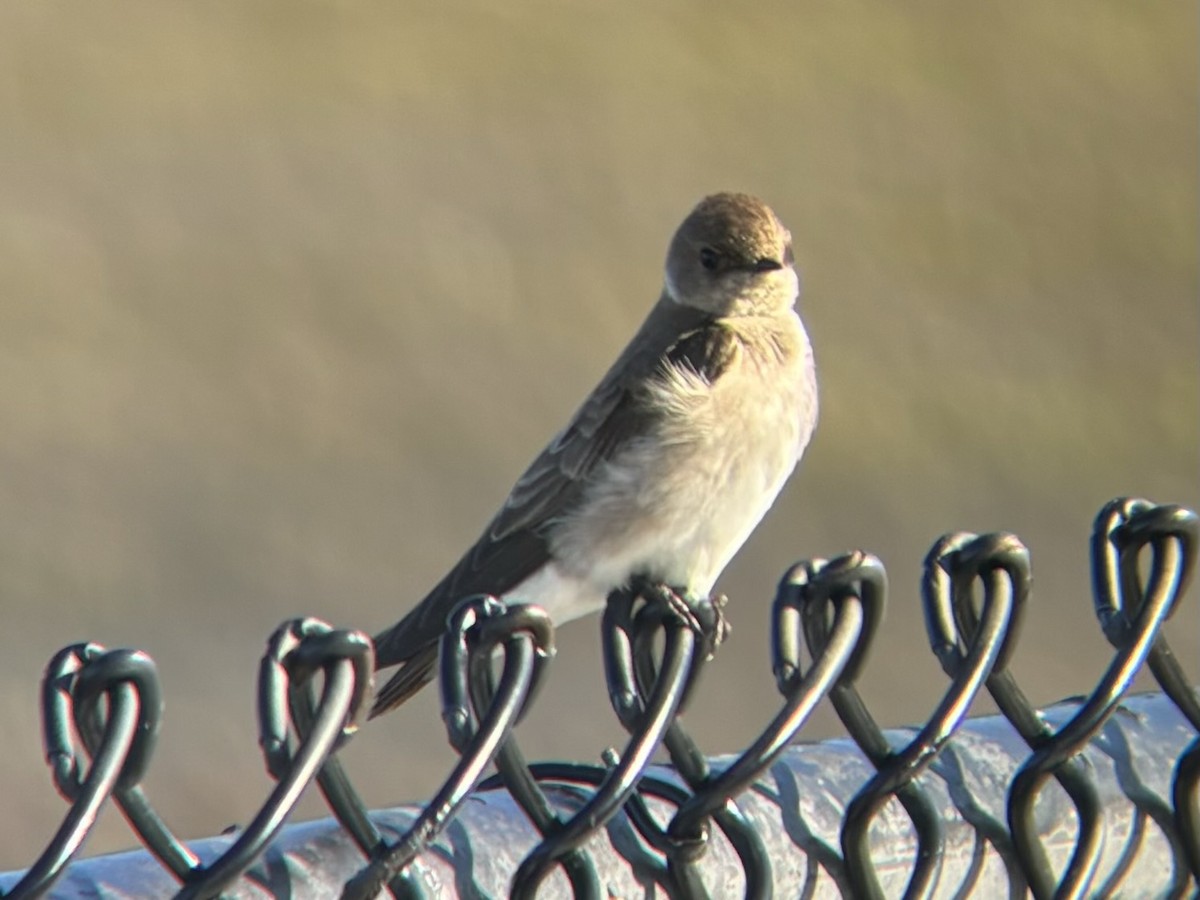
(290,293)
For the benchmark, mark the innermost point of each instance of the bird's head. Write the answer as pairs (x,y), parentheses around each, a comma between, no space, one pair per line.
(732,257)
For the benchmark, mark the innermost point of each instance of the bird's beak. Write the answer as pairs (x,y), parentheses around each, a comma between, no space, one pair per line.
(766,264)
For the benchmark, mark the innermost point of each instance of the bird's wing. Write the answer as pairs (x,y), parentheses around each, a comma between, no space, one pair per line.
(613,414)
(516,543)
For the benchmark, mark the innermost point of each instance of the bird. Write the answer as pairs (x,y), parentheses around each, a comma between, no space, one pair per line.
(669,464)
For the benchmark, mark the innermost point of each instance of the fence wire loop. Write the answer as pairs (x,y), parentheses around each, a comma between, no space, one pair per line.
(76,680)
(303,647)
(1123,528)
(83,676)
(1130,615)
(1001,562)
(952,567)
(688,830)
(968,658)
(110,739)
(524,635)
(298,650)
(505,627)
(863,575)
(857,573)
(685,841)
(102,710)
(95,682)
(1127,526)
(58,717)
(292,771)
(513,771)
(645,711)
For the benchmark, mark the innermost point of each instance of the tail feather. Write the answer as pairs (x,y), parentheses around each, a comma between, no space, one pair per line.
(414,673)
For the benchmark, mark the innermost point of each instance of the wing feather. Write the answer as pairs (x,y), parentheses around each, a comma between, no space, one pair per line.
(515,543)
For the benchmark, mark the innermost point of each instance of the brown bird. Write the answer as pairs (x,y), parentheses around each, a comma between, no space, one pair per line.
(670,462)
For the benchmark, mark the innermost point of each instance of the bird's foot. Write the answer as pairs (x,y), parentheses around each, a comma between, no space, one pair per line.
(704,615)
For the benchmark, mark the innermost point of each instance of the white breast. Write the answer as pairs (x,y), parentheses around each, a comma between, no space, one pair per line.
(677,504)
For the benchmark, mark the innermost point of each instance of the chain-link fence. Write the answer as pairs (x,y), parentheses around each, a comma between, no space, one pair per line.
(1092,798)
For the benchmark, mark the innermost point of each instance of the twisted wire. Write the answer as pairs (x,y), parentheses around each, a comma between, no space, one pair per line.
(102,708)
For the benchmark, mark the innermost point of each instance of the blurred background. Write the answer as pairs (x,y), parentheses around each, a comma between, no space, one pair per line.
(291,293)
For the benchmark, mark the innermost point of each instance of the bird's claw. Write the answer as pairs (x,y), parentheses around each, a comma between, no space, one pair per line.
(722,627)
(704,615)
(711,623)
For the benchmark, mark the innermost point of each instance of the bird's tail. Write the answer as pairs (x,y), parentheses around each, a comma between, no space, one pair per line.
(414,673)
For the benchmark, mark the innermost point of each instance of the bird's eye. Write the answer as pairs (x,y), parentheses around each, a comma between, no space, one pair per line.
(709,258)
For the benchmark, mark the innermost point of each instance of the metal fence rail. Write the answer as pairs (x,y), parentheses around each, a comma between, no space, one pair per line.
(1095,798)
